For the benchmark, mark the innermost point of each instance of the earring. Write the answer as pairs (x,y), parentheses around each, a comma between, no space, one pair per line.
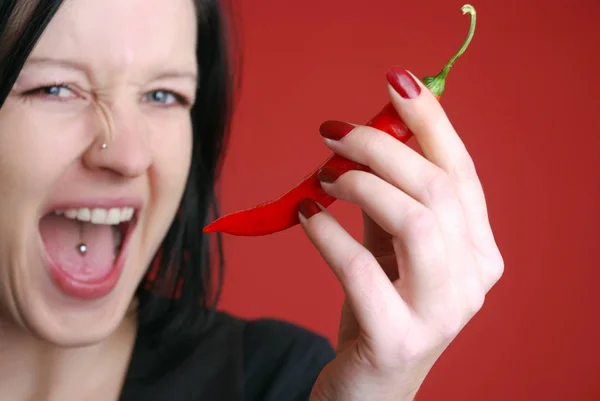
(104,146)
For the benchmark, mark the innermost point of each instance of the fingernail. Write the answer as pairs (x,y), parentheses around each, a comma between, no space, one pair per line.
(309,208)
(403,83)
(335,130)
(330,174)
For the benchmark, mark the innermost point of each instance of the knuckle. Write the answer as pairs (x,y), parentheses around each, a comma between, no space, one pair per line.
(495,268)
(439,186)
(357,265)
(464,169)
(421,223)
(498,266)
(372,140)
(475,302)
(323,228)
(372,145)
(356,185)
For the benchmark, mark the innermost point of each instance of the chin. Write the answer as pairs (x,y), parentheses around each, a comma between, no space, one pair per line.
(53,316)
(67,323)
(72,334)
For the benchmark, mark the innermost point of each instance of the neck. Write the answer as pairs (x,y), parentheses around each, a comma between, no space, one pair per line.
(32,370)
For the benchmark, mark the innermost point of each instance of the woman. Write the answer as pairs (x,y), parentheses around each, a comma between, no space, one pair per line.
(112,125)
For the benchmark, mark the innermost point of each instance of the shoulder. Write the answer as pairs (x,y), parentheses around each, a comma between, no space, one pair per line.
(236,359)
(282,360)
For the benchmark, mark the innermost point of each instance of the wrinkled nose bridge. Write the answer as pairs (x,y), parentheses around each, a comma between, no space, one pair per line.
(114,118)
(107,121)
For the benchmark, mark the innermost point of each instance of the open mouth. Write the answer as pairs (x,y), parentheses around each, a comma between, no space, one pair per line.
(119,220)
(85,247)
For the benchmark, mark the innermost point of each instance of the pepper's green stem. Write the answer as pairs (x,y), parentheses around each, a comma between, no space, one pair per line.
(436,84)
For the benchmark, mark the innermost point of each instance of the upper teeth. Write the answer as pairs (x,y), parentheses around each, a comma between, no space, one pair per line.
(112,216)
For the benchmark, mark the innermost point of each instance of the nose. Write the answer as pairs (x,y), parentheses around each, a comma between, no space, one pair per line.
(122,145)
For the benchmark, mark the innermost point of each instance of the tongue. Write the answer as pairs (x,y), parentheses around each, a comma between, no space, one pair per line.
(62,238)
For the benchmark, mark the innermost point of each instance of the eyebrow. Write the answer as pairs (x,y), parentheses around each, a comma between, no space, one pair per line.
(177,74)
(73,65)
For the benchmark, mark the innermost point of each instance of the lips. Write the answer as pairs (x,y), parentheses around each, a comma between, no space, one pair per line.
(90,271)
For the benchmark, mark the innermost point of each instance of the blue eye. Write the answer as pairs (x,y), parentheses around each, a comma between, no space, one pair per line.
(53,91)
(166,98)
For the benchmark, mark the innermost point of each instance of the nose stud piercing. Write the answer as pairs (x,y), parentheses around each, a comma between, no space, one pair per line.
(82,248)
(104,146)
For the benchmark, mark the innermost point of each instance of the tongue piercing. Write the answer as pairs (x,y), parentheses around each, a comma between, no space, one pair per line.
(82,248)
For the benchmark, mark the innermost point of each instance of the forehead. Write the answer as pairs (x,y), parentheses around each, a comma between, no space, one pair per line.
(123,35)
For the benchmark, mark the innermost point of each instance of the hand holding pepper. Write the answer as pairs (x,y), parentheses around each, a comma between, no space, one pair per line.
(428,257)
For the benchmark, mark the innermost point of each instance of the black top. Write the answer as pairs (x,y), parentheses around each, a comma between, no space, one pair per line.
(237,360)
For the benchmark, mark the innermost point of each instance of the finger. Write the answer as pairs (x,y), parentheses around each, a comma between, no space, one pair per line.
(387,157)
(424,116)
(415,176)
(420,244)
(370,294)
(402,167)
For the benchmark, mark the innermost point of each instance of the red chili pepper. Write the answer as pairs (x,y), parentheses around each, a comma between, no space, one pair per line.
(282,213)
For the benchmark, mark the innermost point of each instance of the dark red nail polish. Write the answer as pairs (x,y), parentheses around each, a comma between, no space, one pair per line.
(330,174)
(335,129)
(309,208)
(403,83)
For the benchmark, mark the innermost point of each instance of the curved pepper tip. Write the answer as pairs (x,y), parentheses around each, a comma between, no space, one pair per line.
(212,227)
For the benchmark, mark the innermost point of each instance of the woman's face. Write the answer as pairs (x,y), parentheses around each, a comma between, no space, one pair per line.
(80,223)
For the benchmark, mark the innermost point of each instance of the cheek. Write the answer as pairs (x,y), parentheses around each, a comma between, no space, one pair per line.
(172,149)
(35,149)
(172,144)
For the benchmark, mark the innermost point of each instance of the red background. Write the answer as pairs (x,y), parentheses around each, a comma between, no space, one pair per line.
(523,98)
